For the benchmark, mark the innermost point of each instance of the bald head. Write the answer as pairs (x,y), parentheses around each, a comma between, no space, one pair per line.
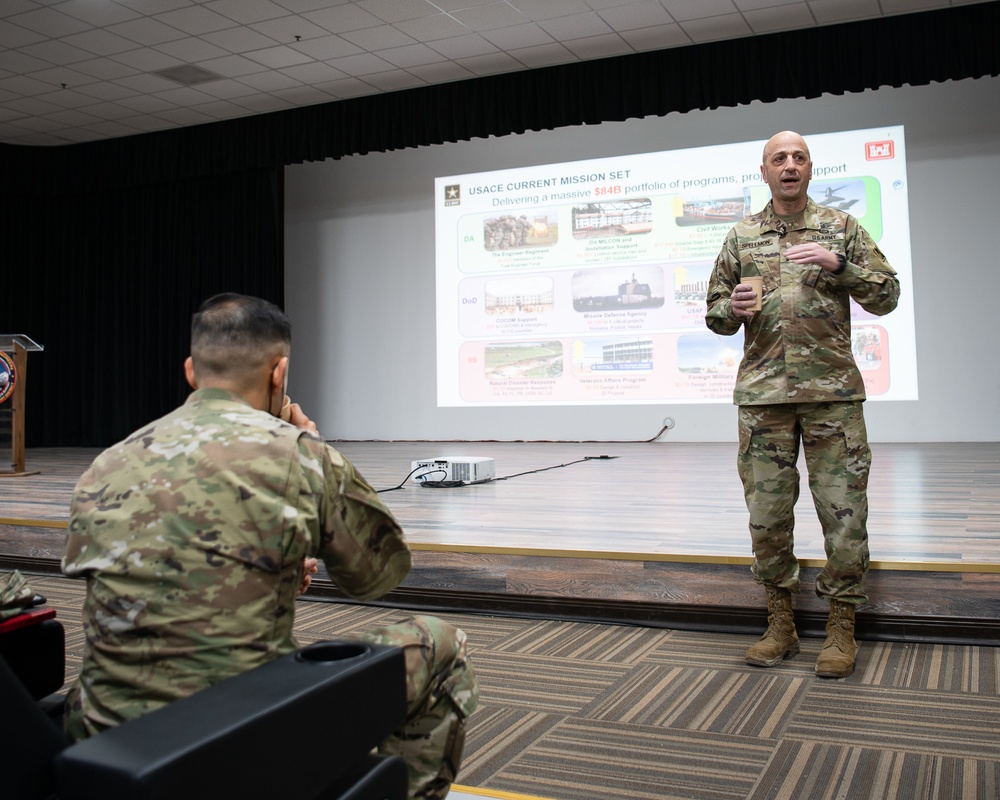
(785,139)
(787,170)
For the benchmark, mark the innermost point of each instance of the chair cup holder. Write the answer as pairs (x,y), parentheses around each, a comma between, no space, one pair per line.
(332,652)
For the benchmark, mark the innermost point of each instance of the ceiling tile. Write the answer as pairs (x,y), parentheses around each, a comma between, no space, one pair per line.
(327,47)
(66,98)
(105,90)
(413,55)
(195,20)
(579,26)
(340,19)
(99,42)
(636,15)
(546,9)
(109,111)
(313,72)
(146,103)
(146,31)
(20,63)
(301,6)
(247,11)
(610,44)
(155,6)
(398,10)
(753,5)
(468,46)
(442,72)
(490,64)
(232,66)
(226,89)
(428,29)
(393,81)
(278,57)
(240,40)
(290,29)
(455,5)
(192,49)
(104,68)
(779,18)
(57,76)
(728,26)
(221,109)
(350,87)
(906,6)
(827,11)
(380,38)
(683,10)
(544,55)
(270,81)
(518,36)
(494,15)
(49,22)
(362,64)
(14,36)
(264,103)
(656,37)
(100,15)
(33,106)
(147,59)
(184,117)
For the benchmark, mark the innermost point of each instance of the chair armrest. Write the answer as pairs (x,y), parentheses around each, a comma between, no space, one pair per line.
(289,728)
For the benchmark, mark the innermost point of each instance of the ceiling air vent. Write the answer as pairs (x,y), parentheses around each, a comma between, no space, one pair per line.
(187,75)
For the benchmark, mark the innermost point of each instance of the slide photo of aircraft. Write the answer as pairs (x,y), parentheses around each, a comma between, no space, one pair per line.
(841,195)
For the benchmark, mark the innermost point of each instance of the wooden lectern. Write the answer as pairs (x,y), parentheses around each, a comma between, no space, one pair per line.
(13,383)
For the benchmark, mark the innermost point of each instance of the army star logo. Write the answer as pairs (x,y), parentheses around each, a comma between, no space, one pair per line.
(453,195)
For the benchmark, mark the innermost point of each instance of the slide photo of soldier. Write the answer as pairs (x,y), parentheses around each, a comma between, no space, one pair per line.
(517,232)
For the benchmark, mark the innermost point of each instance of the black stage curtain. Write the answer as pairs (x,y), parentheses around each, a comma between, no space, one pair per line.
(107,283)
(110,245)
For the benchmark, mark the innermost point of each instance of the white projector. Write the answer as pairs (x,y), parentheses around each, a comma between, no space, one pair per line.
(449,469)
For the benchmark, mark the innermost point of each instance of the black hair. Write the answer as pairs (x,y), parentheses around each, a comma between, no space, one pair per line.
(229,330)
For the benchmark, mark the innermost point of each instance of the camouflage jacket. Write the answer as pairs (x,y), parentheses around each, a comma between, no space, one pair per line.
(797,349)
(191,534)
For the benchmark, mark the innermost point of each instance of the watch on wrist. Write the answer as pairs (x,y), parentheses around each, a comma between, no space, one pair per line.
(842,265)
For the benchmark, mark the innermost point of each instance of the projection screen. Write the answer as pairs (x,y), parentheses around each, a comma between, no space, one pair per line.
(584,282)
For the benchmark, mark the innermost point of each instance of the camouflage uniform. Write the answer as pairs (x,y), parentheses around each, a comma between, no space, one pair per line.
(192,534)
(798,380)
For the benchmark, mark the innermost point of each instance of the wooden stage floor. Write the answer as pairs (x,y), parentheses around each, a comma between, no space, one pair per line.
(656,521)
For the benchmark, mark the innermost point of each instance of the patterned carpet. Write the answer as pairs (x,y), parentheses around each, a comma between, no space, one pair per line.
(576,711)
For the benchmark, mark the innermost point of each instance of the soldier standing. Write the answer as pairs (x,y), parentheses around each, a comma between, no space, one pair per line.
(196,533)
(798,382)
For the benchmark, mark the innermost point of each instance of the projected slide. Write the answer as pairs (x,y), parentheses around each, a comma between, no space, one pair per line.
(584,282)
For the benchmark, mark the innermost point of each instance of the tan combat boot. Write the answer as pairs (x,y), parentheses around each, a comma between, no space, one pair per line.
(836,659)
(780,640)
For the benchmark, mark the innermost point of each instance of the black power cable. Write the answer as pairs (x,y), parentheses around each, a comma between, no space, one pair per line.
(443,484)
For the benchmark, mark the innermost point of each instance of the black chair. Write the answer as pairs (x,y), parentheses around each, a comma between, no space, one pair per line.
(301,727)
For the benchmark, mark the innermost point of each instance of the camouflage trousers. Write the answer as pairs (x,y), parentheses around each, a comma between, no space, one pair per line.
(838,461)
(441,692)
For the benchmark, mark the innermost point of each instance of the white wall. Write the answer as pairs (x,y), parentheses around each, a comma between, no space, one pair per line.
(359,282)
